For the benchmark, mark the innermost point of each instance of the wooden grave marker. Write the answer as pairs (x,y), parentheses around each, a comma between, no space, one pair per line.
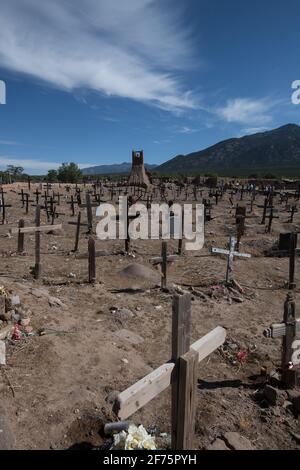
(288,330)
(163,260)
(180,372)
(37,231)
(231,253)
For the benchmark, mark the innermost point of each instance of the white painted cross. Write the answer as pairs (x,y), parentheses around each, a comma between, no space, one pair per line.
(230,254)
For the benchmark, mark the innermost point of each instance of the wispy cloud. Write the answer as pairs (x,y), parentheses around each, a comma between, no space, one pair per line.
(186,130)
(33,165)
(246,111)
(253,130)
(133,49)
(9,142)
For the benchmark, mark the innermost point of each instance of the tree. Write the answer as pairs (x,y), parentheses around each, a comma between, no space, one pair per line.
(14,171)
(69,173)
(52,176)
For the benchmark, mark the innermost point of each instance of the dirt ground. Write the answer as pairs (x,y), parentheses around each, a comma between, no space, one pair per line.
(55,387)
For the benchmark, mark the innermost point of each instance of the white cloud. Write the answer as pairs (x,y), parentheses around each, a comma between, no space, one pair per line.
(131,49)
(253,130)
(31,165)
(186,130)
(9,142)
(247,111)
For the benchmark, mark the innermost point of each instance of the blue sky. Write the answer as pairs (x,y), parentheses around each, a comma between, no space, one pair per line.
(90,80)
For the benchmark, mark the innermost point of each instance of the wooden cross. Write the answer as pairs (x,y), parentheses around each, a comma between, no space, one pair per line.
(288,330)
(27,201)
(22,197)
(37,230)
(180,373)
(78,225)
(230,256)
(3,206)
(37,195)
(88,205)
(292,211)
(289,241)
(270,215)
(163,260)
(267,205)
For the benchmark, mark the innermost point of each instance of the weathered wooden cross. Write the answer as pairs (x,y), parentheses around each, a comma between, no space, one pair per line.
(180,372)
(230,256)
(89,205)
(3,206)
(163,260)
(288,330)
(78,225)
(37,230)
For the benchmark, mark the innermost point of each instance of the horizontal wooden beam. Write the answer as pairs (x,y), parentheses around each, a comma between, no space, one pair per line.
(277,330)
(139,394)
(42,228)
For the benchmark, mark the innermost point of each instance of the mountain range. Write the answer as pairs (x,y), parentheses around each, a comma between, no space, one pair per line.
(276,151)
(118,168)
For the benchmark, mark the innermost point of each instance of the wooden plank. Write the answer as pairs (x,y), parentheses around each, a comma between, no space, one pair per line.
(158,259)
(277,330)
(143,391)
(186,410)
(92,260)
(220,251)
(37,267)
(139,394)
(181,328)
(209,343)
(20,248)
(42,228)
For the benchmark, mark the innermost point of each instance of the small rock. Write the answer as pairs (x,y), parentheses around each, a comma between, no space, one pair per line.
(123,313)
(15,300)
(237,442)
(72,275)
(218,444)
(125,361)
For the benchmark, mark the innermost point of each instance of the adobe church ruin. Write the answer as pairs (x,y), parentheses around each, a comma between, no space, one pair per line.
(138,175)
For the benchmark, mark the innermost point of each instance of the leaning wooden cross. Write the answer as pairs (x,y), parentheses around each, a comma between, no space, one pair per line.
(288,330)
(231,253)
(37,230)
(180,372)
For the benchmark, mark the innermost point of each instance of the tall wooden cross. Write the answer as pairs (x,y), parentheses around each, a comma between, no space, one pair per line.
(288,330)
(231,253)
(180,372)
(89,205)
